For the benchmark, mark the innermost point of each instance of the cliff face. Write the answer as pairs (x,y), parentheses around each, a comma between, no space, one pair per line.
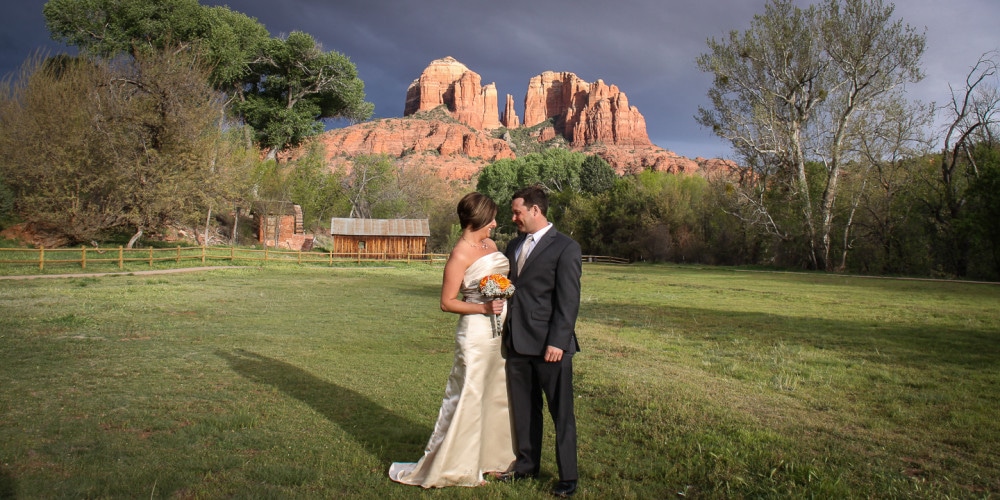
(448,82)
(451,150)
(594,118)
(584,113)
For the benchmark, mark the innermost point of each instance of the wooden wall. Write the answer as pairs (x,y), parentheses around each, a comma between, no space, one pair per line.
(392,246)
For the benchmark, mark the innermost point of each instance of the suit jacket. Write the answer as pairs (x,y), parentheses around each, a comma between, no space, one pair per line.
(546,298)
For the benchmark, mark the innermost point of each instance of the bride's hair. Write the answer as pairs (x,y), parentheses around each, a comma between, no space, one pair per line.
(476,210)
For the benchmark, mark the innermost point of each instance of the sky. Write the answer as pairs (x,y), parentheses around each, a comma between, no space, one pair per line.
(647,48)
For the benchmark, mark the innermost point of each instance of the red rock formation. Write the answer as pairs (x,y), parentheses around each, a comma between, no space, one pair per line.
(609,120)
(554,95)
(432,141)
(450,83)
(584,113)
(594,118)
(509,118)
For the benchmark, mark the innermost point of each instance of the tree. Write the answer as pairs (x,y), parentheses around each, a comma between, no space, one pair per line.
(596,175)
(93,147)
(974,113)
(883,189)
(791,89)
(557,170)
(283,88)
(294,85)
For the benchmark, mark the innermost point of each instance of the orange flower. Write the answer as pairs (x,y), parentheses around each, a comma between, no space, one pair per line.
(496,286)
(501,281)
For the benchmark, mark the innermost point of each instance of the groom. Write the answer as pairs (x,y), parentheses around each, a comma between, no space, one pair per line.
(540,337)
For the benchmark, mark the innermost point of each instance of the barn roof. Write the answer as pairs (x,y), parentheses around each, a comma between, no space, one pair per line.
(379,227)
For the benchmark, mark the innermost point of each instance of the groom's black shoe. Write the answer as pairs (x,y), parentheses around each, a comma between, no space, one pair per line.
(564,489)
(511,476)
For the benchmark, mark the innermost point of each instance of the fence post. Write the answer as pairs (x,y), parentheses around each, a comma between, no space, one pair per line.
(150,256)
(299,257)
(331,257)
(232,254)
(178,254)
(121,260)
(265,252)
(203,254)
(83,257)
(41,257)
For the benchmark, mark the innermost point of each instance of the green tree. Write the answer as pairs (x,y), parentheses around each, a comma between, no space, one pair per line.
(883,192)
(792,89)
(316,189)
(557,170)
(283,88)
(973,110)
(596,175)
(984,212)
(296,84)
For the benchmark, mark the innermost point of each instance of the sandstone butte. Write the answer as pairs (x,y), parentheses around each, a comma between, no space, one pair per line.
(449,118)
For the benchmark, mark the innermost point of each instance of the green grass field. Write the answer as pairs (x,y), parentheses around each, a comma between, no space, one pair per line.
(298,382)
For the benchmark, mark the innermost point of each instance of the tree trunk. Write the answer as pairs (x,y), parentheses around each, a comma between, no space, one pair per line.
(135,238)
(208,219)
(236,221)
(803,185)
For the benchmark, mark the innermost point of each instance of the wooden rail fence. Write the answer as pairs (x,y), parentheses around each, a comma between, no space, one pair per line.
(83,256)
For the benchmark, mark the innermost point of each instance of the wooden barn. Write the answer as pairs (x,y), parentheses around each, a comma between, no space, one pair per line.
(396,238)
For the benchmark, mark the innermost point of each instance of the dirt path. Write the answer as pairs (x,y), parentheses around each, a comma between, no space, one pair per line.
(123,273)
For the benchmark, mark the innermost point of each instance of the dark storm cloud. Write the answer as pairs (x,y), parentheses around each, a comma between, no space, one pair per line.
(645,47)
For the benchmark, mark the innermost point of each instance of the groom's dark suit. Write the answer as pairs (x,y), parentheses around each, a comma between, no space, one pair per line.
(543,313)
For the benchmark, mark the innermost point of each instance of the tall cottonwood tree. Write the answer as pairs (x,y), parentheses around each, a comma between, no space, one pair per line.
(282,87)
(293,85)
(789,92)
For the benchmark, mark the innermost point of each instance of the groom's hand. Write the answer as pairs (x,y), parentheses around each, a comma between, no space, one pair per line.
(553,354)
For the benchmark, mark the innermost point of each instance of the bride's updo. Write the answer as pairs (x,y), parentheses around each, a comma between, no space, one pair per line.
(476,210)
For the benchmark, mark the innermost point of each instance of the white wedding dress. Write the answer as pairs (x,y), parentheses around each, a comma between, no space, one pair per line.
(472,435)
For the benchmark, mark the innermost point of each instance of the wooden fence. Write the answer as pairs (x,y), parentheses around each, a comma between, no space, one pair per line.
(42,257)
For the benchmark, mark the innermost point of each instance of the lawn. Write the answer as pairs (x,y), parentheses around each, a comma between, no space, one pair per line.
(306,382)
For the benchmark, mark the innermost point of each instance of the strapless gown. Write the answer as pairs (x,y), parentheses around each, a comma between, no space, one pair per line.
(472,435)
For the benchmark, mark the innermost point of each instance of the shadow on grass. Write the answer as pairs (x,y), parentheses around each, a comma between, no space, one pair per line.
(8,487)
(383,433)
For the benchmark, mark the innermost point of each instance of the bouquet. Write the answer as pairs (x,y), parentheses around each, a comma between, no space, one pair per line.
(493,287)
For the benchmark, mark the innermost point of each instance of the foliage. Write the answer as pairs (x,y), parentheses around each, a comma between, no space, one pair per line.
(972,131)
(319,191)
(796,87)
(557,170)
(6,202)
(133,145)
(525,140)
(294,85)
(596,175)
(227,40)
(984,213)
(283,88)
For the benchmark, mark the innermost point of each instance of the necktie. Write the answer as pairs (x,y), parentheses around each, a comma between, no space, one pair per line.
(525,249)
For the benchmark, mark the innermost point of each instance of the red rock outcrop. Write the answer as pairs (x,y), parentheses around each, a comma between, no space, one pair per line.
(450,150)
(594,118)
(509,117)
(450,83)
(584,113)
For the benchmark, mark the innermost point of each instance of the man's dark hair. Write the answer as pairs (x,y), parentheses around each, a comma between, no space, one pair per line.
(533,195)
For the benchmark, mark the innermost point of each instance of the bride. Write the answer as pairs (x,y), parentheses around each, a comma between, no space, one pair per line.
(472,435)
